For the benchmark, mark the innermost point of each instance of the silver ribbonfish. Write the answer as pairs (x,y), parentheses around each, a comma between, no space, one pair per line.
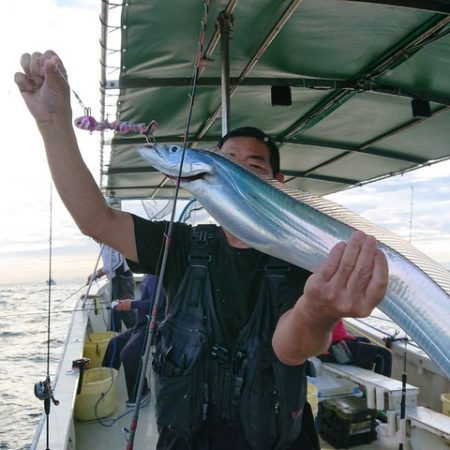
(302,228)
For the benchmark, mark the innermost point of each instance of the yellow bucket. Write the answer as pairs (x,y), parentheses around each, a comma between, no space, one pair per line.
(99,395)
(312,398)
(445,404)
(95,347)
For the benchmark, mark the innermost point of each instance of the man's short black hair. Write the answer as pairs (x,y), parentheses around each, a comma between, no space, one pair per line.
(261,136)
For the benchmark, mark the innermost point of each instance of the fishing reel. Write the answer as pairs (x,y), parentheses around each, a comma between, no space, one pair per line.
(395,338)
(43,391)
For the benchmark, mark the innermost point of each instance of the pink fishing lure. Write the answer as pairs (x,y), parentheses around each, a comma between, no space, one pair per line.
(90,124)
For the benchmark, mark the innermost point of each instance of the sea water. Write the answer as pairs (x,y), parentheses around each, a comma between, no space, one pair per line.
(23,353)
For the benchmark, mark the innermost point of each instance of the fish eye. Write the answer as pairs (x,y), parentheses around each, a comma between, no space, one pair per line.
(174,148)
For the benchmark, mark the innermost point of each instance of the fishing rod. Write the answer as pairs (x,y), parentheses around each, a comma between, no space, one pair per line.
(43,389)
(168,236)
(402,434)
(92,277)
(67,298)
(402,428)
(389,339)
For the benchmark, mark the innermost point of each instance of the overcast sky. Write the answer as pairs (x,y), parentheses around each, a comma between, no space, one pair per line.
(72,29)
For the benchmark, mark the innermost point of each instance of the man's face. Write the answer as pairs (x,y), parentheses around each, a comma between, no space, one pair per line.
(249,151)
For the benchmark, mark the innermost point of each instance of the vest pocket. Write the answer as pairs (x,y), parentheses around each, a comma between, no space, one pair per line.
(291,383)
(259,406)
(180,383)
(272,402)
(179,404)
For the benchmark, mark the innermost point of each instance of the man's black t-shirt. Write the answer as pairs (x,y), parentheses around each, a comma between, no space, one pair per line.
(235,277)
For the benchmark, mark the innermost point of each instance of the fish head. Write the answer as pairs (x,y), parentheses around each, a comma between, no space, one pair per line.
(167,159)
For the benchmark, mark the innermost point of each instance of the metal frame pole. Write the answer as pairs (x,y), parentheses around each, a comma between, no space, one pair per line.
(225,23)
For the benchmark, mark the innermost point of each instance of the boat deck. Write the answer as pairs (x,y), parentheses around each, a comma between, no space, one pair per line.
(111,431)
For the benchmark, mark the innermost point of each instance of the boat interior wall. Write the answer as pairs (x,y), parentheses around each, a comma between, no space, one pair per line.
(424,374)
(353,69)
(421,370)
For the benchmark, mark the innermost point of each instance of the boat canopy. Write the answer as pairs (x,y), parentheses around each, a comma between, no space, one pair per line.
(353,91)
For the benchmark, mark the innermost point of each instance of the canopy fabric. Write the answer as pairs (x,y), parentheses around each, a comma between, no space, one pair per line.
(353,69)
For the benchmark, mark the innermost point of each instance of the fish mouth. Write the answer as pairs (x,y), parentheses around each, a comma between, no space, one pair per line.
(161,162)
(198,176)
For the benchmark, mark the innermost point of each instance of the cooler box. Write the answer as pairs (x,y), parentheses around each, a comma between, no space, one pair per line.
(95,347)
(99,394)
(346,422)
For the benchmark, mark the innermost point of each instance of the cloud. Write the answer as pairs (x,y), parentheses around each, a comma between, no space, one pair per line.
(79,4)
(72,29)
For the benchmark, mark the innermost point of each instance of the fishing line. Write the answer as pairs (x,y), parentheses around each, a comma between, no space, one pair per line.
(43,389)
(159,214)
(50,251)
(188,210)
(88,122)
(389,337)
(191,212)
(62,311)
(168,237)
(58,305)
(85,108)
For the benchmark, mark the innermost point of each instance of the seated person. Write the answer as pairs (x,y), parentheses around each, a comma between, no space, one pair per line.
(358,351)
(128,347)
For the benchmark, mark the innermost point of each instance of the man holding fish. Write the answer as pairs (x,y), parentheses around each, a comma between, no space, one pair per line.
(253,319)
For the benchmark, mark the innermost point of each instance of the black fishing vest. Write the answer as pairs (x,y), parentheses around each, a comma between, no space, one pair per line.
(198,381)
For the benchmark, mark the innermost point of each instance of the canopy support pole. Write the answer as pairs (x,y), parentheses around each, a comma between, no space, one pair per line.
(225,22)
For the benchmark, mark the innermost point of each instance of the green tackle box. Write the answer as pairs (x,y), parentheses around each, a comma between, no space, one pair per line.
(346,422)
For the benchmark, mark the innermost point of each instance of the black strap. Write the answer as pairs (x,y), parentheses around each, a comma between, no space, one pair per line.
(202,237)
